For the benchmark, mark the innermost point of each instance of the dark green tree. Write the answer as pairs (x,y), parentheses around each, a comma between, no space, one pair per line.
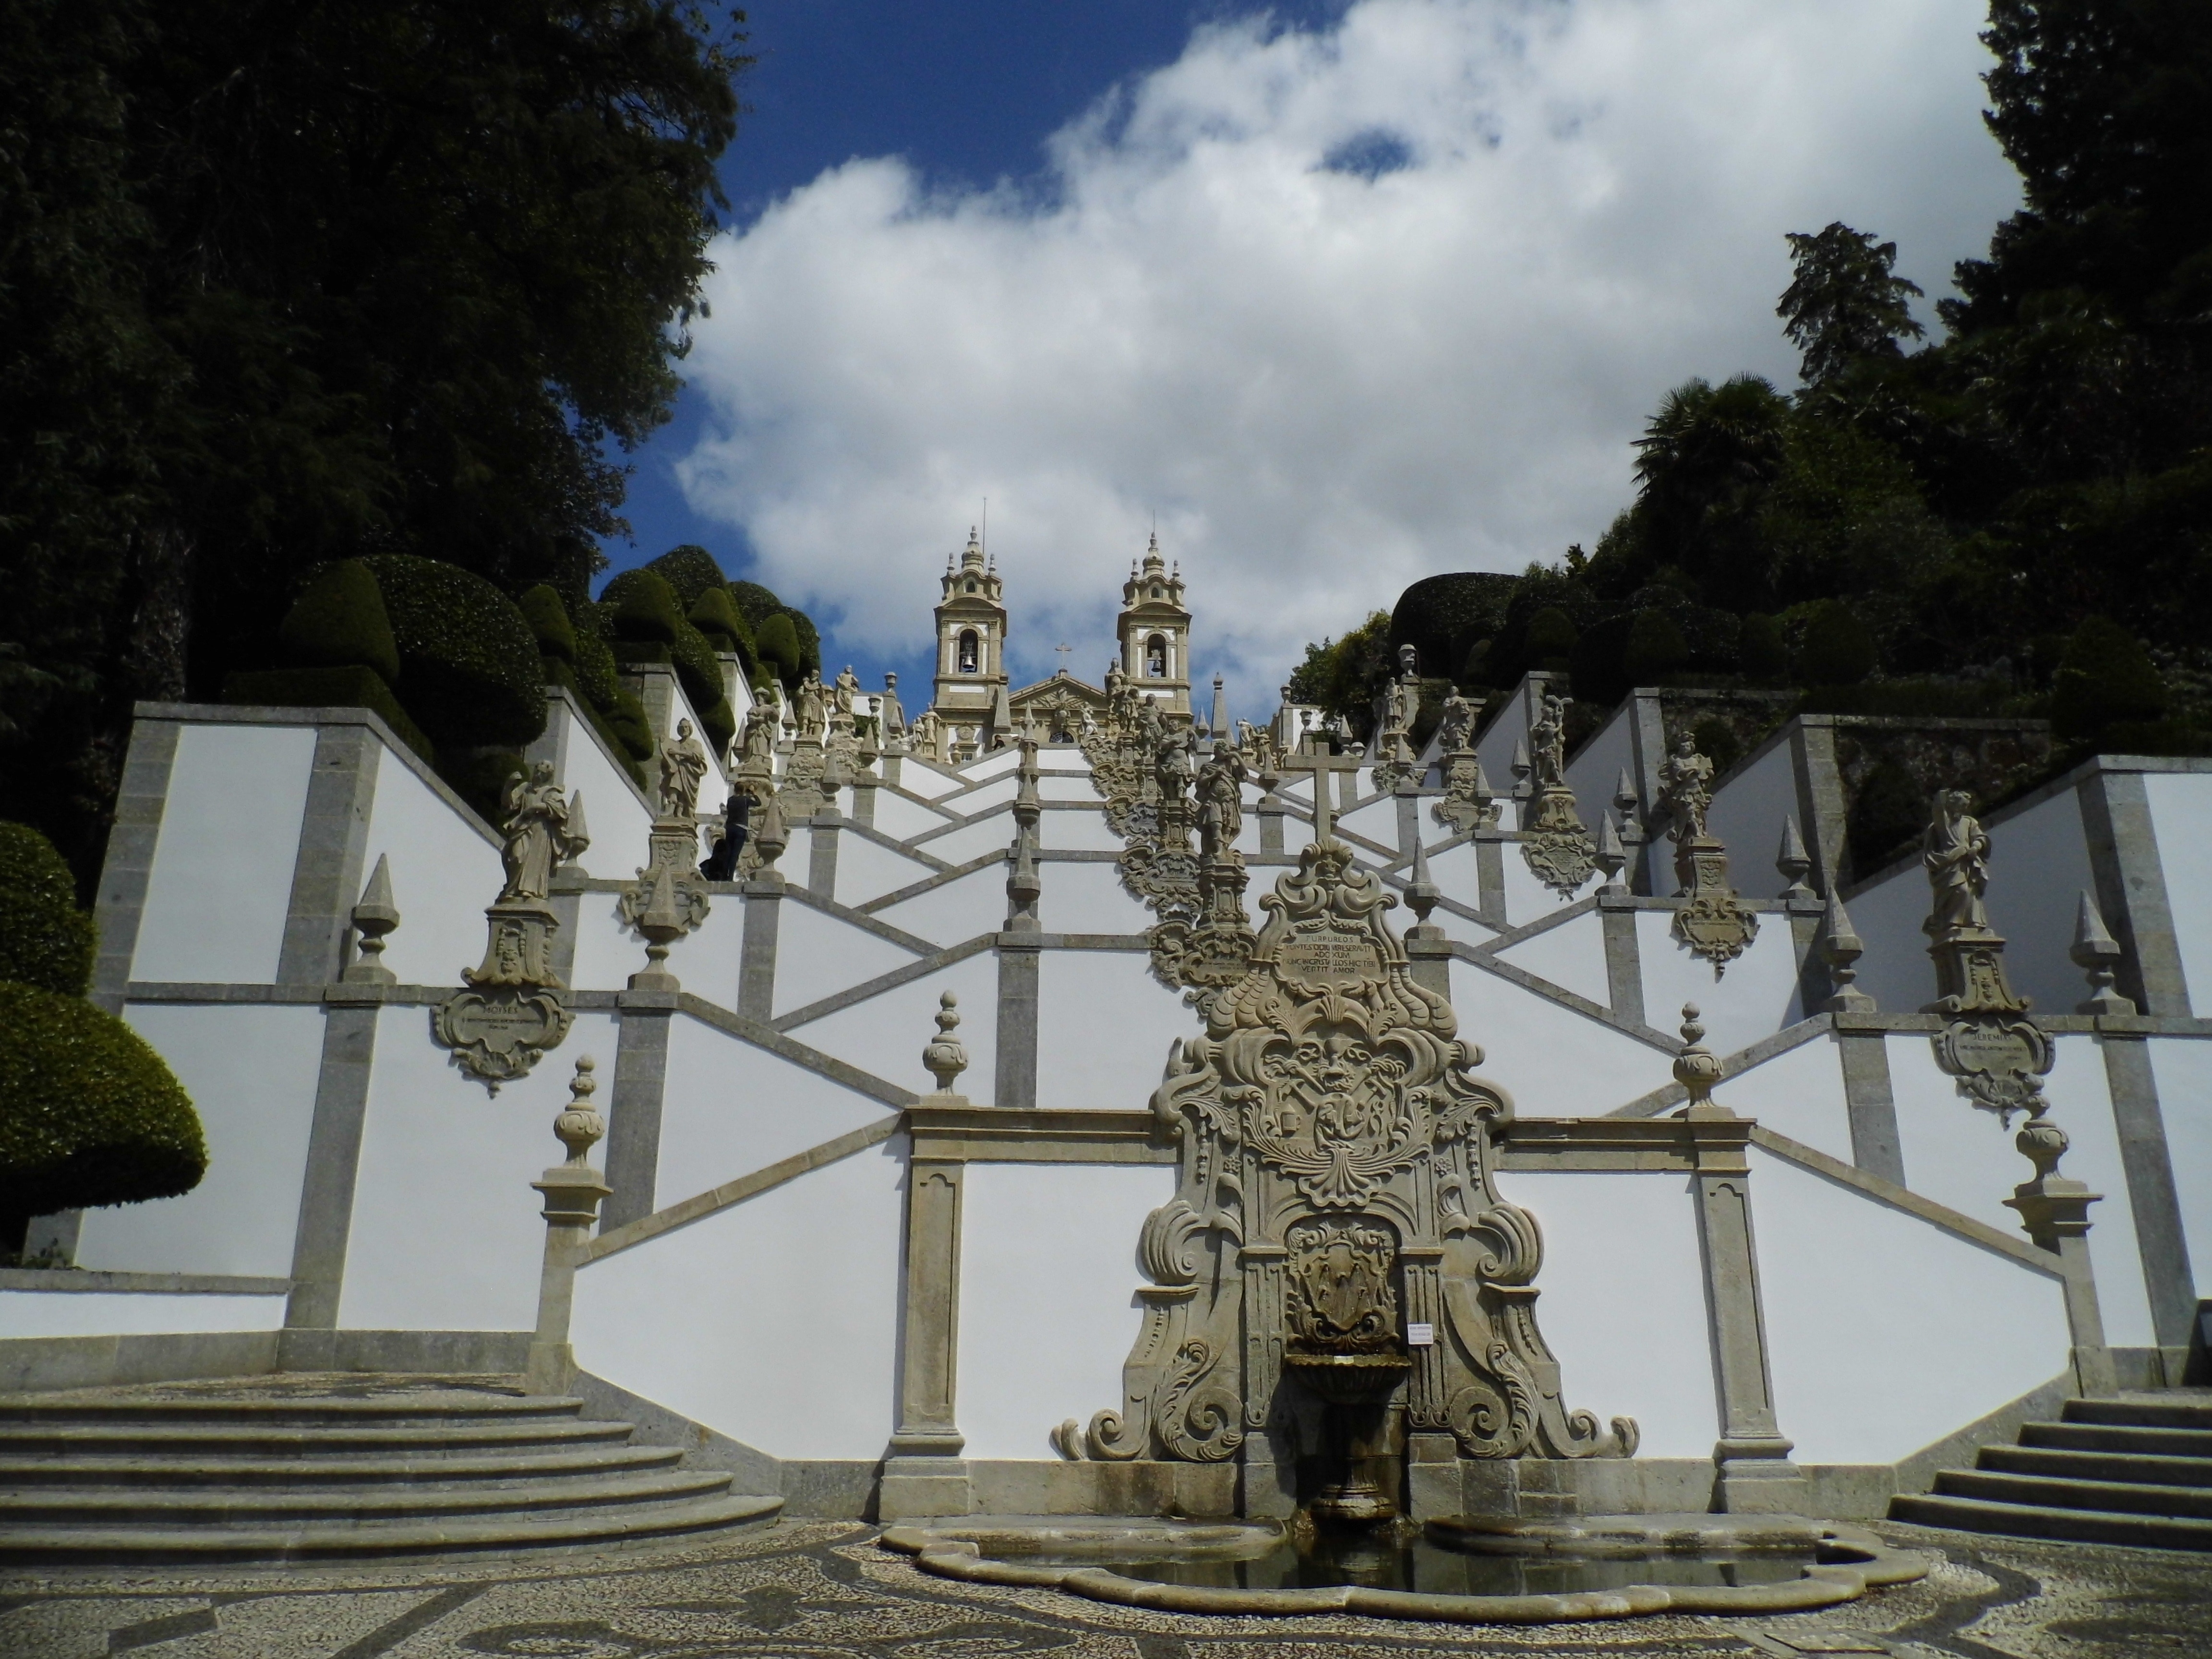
(1844,304)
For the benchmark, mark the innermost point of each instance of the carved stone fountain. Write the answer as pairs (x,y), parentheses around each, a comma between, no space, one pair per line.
(1336,1275)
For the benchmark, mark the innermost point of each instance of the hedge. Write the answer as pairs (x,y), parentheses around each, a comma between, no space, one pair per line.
(778,640)
(696,664)
(2105,678)
(89,1115)
(1655,648)
(714,614)
(339,620)
(547,617)
(689,571)
(1761,650)
(561,673)
(755,604)
(1444,616)
(468,659)
(641,607)
(1837,647)
(45,939)
(328,688)
(597,671)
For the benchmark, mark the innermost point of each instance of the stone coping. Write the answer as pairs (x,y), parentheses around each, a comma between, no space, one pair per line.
(1849,1562)
(83,1281)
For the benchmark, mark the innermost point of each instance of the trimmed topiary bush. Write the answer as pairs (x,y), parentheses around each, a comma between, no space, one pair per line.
(1837,648)
(689,571)
(339,620)
(778,641)
(547,617)
(755,604)
(597,671)
(628,719)
(89,1113)
(1552,636)
(1761,649)
(714,614)
(1597,662)
(696,666)
(2104,678)
(328,688)
(1655,649)
(45,939)
(1444,616)
(467,658)
(642,609)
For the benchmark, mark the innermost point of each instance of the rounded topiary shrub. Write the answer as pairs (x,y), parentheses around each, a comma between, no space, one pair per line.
(468,661)
(810,641)
(642,608)
(755,604)
(714,614)
(1761,649)
(1552,636)
(89,1115)
(628,717)
(696,666)
(45,939)
(1598,662)
(597,671)
(2104,678)
(548,623)
(339,620)
(1837,649)
(689,571)
(779,647)
(1655,649)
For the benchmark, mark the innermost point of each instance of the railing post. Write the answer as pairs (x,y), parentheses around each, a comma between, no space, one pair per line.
(572,1191)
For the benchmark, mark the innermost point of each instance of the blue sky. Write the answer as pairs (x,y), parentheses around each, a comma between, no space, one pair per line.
(1338,295)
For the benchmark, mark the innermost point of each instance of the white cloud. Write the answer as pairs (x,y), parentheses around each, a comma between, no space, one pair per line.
(1324,385)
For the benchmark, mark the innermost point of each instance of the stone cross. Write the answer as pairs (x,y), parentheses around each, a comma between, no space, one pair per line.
(1323,767)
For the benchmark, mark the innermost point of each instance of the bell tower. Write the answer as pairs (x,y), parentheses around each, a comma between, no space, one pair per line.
(1155,632)
(971,644)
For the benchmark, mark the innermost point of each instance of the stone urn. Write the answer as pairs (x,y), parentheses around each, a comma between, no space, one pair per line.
(1355,1389)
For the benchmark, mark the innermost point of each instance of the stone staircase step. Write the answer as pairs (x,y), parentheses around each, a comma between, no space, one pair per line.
(454,1470)
(2032,1521)
(2097,1466)
(2119,1437)
(105,1506)
(2047,1492)
(210,1545)
(238,1440)
(2142,1412)
(447,1405)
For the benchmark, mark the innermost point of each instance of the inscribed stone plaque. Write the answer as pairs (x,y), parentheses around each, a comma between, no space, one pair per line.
(1328,960)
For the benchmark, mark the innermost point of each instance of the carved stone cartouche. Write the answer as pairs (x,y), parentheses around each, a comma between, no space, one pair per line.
(1336,1180)
(1999,1056)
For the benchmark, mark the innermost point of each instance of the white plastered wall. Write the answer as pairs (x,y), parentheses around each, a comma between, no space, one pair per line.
(1885,1333)
(1747,817)
(993,833)
(443,874)
(729,1108)
(1087,831)
(1103,1027)
(2182,1067)
(1570,956)
(1048,1296)
(618,822)
(1961,1157)
(774,1321)
(1526,899)
(886,1034)
(1088,898)
(818,955)
(953,911)
(446,1233)
(1553,1061)
(2038,870)
(706,959)
(897,816)
(79,1313)
(867,869)
(221,879)
(1754,997)
(1623,1301)
(1798,1093)
(1895,971)
(1596,769)
(251,1071)
(2180,807)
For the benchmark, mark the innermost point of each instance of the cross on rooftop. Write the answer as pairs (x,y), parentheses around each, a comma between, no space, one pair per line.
(1323,767)
(1063,650)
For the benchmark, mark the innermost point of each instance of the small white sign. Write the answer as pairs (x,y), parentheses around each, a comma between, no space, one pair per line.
(1420,1336)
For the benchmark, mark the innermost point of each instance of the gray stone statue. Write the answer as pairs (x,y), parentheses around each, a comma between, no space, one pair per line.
(539,836)
(810,705)
(1955,852)
(1221,799)
(847,688)
(1685,780)
(683,768)
(1548,744)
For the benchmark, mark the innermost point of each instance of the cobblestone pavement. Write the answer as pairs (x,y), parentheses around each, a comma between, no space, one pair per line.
(821,1590)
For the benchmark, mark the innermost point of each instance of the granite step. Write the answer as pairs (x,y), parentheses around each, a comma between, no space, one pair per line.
(2097,1465)
(455,1469)
(2136,1413)
(106,1506)
(2030,1520)
(2119,1437)
(302,1468)
(2046,1492)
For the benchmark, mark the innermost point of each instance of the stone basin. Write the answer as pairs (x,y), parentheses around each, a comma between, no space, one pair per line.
(1349,1379)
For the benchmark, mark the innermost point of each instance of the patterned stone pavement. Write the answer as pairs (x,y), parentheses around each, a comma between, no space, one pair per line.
(821,1590)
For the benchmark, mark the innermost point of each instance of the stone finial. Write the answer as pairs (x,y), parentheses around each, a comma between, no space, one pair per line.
(1840,948)
(1421,893)
(1696,1068)
(773,836)
(2095,953)
(662,920)
(947,1056)
(373,918)
(1522,768)
(580,1128)
(1625,798)
(1793,863)
(578,840)
(1610,857)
